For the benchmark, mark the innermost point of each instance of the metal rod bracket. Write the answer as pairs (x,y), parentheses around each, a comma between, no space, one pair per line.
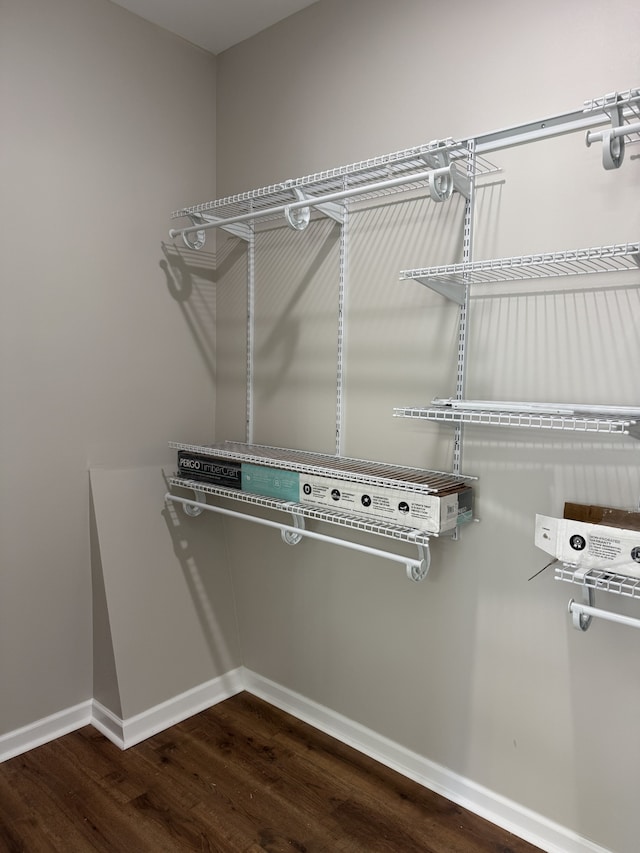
(419,572)
(613,139)
(195,511)
(290,537)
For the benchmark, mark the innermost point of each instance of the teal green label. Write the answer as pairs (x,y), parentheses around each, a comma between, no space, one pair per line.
(270,482)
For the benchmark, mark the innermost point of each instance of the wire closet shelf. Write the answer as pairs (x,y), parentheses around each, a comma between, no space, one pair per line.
(360,471)
(587,261)
(341,519)
(408,169)
(598,579)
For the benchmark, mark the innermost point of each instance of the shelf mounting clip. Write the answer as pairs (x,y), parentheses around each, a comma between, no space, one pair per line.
(581,620)
(419,572)
(442,185)
(298,213)
(613,138)
(194,511)
(290,537)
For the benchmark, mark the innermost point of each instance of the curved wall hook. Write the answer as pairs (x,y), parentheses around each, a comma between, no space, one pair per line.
(580,619)
(612,139)
(198,240)
(419,572)
(441,185)
(298,217)
(289,537)
(195,511)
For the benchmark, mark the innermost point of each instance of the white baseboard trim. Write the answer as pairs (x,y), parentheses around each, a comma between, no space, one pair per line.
(42,731)
(126,733)
(509,815)
(123,733)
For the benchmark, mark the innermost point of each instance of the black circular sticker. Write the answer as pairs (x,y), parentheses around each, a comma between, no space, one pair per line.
(635,554)
(306,489)
(365,500)
(335,494)
(577,542)
(403,506)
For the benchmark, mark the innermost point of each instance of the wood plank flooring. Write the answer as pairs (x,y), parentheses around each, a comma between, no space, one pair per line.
(242,777)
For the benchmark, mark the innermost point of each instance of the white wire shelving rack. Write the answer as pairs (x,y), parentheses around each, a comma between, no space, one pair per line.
(439,168)
(354,471)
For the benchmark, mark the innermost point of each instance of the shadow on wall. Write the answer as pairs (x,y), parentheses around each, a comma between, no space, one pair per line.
(195,549)
(280,346)
(191,279)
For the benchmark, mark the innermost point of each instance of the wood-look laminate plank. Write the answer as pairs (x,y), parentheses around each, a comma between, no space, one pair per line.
(242,777)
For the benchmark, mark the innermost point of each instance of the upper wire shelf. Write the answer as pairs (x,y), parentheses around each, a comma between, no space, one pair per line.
(536,417)
(601,259)
(337,467)
(361,175)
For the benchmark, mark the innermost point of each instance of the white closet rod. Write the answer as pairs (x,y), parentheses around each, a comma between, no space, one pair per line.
(310,201)
(416,569)
(615,132)
(577,610)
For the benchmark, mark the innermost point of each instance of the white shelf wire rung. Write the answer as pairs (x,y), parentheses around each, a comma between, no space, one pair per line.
(601,259)
(377,169)
(598,579)
(337,467)
(353,522)
(531,420)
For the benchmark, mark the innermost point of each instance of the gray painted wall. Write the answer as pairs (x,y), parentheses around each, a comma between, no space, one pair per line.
(477,668)
(108,125)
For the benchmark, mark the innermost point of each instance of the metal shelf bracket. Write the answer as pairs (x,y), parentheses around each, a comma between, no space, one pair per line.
(291,537)
(581,619)
(194,508)
(197,240)
(421,570)
(441,185)
(449,289)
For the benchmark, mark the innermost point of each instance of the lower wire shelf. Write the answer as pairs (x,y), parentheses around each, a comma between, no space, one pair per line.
(590,581)
(416,568)
(598,579)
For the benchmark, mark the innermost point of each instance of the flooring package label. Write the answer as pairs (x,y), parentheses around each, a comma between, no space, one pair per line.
(270,482)
(219,472)
(429,513)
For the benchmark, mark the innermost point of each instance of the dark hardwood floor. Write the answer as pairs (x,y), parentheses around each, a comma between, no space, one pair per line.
(242,777)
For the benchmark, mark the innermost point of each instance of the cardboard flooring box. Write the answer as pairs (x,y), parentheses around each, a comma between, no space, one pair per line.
(429,513)
(589,545)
